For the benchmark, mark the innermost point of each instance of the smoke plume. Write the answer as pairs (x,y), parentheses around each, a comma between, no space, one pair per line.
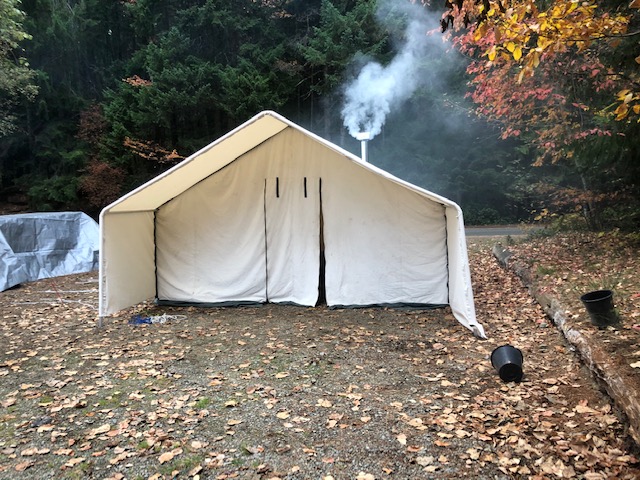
(378,89)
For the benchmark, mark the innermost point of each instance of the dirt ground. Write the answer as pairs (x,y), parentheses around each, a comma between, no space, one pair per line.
(297,393)
(572,264)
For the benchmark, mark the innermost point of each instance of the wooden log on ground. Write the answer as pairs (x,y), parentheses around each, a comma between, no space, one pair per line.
(623,389)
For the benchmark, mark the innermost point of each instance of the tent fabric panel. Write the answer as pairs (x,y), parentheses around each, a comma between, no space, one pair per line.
(460,287)
(384,244)
(211,241)
(289,162)
(293,239)
(127,271)
(200,165)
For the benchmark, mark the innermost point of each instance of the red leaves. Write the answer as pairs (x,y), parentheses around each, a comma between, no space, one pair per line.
(101,183)
(533,68)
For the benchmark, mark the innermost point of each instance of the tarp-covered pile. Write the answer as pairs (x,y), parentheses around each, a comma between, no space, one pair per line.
(43,245)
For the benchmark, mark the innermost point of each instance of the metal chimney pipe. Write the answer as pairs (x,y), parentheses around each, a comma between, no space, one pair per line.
(364,138)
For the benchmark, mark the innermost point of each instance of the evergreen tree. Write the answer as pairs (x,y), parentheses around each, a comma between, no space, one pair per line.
(16,77)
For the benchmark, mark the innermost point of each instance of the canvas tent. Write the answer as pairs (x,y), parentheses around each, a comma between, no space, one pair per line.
(271,212)
(41,245)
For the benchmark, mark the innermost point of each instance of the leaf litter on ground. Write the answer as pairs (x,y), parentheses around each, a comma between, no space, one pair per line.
(290,392)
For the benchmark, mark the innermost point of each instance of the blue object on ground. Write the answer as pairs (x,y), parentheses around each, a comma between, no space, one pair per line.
(139,320)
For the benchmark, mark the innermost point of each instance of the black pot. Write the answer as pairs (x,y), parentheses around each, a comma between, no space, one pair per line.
(599,305)
(507,360)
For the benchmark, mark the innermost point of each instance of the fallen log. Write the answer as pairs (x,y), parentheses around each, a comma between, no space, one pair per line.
(623,389)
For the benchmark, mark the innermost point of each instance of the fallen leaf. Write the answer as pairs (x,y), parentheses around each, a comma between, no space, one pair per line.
(584,409)
(424,461)
(34,451)
(100,430)
(365,476)
(416,422)
(74,461)
(64,452)
(168,456)
(21,467)
(473,453)
(195,470)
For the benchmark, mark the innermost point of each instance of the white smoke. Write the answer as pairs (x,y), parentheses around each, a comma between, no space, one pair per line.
(378,89)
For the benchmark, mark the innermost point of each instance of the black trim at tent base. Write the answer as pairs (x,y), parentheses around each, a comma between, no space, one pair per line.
(180,303)
(395,306)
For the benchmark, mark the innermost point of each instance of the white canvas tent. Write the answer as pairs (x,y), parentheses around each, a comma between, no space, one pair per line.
(267,211)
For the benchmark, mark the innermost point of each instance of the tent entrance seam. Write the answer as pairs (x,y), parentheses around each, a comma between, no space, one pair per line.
(266,254)
(322,289)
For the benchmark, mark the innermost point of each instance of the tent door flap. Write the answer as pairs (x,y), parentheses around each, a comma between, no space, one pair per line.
(292,232)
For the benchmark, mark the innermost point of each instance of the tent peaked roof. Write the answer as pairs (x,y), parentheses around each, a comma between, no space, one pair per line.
(223,151)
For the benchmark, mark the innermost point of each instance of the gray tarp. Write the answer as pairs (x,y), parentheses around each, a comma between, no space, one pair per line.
(43,245)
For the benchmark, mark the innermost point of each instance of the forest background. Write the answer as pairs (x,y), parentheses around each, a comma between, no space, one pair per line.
(518,109)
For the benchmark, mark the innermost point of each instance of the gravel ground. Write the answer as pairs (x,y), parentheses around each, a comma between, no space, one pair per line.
(296,393)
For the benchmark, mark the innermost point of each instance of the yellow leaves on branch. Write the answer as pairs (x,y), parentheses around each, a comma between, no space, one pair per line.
(518,31)
(629,102)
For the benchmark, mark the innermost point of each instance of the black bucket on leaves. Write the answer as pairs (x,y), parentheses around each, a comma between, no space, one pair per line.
(507,360)
(599,305)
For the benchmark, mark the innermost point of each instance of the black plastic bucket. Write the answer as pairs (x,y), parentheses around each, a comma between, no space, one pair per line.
(507,360)
(599,305)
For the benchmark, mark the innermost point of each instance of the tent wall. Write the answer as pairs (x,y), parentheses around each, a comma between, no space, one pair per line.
(460,291)
(384,244)
(210,241)
(249,233)
(127,267)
